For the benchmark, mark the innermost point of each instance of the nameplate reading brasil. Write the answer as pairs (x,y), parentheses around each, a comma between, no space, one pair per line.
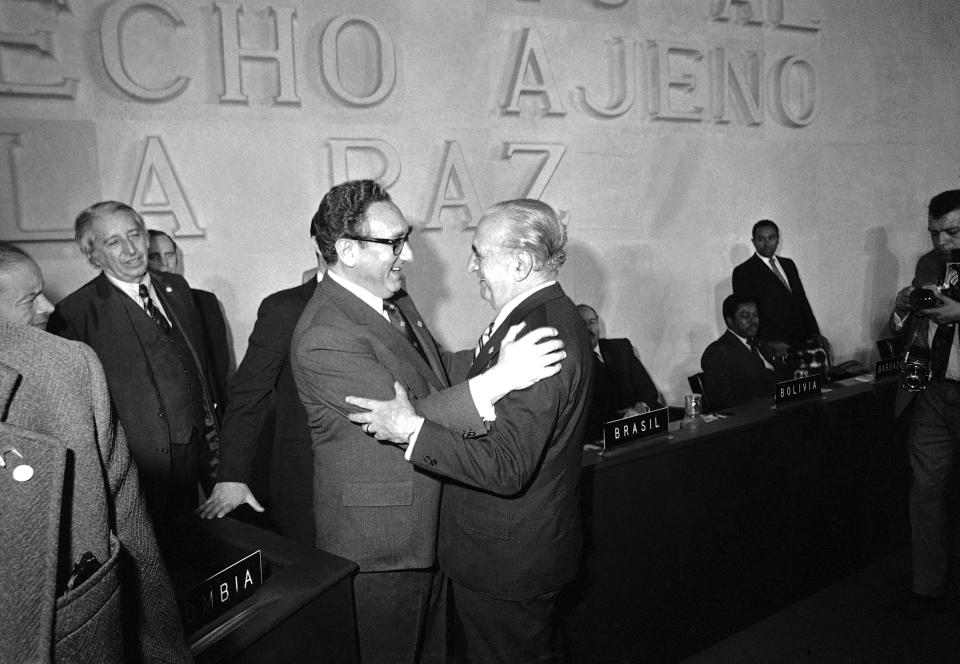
(222,591)
(885,368)
(632,428)
(797,389)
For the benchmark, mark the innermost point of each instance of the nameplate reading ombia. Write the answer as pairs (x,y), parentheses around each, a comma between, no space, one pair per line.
(886,368)
(797,389)
(651,423)
(222,591)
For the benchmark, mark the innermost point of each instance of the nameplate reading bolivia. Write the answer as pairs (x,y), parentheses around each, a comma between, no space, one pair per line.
(650,423)
(222,591)
(797,389)
(885,368)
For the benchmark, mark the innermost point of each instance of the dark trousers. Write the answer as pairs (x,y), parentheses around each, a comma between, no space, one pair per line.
(933,439)
(400,617)
(499,631)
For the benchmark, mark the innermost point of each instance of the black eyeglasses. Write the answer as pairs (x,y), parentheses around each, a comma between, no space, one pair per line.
(397,242)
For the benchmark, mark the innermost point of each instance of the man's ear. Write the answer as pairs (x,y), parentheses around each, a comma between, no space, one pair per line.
(347,251)
(523,264)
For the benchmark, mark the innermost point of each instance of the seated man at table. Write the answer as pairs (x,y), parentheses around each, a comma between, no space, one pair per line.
(622,386)
(735,367)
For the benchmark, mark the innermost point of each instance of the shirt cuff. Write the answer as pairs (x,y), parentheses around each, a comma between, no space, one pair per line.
(408,454)
(897,321)
(482,400)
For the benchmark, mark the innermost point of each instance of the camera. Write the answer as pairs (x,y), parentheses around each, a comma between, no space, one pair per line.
(924,298)
(916,373)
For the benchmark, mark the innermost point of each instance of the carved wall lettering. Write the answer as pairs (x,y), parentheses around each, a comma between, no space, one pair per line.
(233,53)
(741,81)
(745,12)
(804,15)
(795,91)
(158,190)
(330,56)
(622,65)
(342,148)
(455,189)
(673,66)
(43,42)
(111,30)
(533,61)
(10,225)
(554,153)
(48,171)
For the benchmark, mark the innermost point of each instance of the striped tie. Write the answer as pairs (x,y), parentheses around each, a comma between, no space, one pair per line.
(153,311)
(776,271)
(482,341)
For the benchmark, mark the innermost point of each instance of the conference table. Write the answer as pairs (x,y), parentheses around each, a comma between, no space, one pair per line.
(693,535)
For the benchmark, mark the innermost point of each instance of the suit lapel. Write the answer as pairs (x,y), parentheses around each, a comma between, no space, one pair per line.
(767,275)
(491,350)
(405,303)
(360,313)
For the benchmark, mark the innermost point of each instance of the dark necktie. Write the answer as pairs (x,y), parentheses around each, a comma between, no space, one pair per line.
(153,312)
(400,322)
(940,349)
(484,338)
(756,352)
(776,271)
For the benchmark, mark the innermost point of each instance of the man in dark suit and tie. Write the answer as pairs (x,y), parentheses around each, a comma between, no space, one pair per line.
(360,334)
(146,331)
(163,256)
(264,387)
(735,368)
(773,283)
(622,386)
(510,532)
(934,412)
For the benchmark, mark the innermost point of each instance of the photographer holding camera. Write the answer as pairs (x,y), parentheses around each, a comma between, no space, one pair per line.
(928,312)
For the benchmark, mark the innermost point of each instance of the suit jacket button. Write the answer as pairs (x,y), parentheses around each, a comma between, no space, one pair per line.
(160,413)
(470,434)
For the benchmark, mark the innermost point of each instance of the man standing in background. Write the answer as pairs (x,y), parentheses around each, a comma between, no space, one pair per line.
(163,256)
(773,283)
(147,333)
(263,385)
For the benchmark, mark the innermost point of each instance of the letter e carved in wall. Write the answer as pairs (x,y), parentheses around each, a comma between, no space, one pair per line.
(386,66)
(158,177)
(342,148)
(111,28)
(455,189)
(43,42)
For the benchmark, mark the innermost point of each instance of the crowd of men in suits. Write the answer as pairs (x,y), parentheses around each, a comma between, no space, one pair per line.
(372,421)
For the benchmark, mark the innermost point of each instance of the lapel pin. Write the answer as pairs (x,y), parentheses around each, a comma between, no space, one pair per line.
(419,323)
(22,473)
(167,289)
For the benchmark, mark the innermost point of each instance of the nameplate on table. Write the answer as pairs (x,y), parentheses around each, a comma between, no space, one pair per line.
(222,591)
(651,423)
(889,367)
(797,389)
